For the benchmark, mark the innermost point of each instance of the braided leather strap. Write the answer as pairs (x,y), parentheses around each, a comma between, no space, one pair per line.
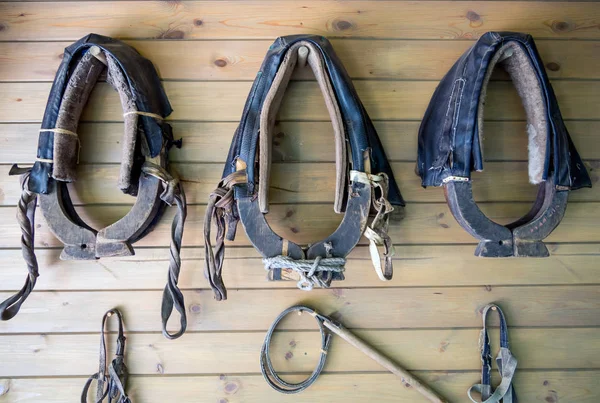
(25,216)
(172,296)
(221,209)
(112,380)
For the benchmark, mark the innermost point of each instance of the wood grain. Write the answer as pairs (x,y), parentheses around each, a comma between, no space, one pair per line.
(259,19)
(422,307)
(223,101)
(414,266)
(532,386)
(240,60)
(236,353)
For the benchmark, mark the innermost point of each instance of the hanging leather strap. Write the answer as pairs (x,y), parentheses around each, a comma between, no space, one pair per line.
(112,380)
(221,209)
(172,296)
(506,362)
(376,232)
(25,216)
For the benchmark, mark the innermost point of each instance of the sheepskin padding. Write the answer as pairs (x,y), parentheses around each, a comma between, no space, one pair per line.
(116,78)
(269,111)
(514,60)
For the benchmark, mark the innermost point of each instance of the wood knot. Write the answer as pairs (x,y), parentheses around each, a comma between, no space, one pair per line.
(475,20)
(19,99)
(473,16)
(175,34)
(289,213)
(222,377)
(342,25)
(195,308)
(552,66)
(561,26)
(159,368)
(223,400)
(294,230)
(2,27)
(231,387)
(546,383)
(198,22)
(220,62)
(289,355)
(488,288)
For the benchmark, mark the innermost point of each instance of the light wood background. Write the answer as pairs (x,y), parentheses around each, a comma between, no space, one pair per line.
(427,318)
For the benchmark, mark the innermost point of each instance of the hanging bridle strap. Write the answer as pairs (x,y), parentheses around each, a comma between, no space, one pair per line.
(172,296)
(377,231)
(220,209)
(25,216)
(507,365)
(112,380)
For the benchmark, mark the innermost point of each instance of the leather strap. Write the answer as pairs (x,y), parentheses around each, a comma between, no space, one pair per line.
(26,218)
(507,365)
(112,380)
(172,296)
(221,209)
(266,366)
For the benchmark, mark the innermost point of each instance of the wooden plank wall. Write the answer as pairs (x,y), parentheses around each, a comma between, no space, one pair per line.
(427,318)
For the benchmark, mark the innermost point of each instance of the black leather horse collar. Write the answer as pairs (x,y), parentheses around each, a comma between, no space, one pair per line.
(112,378)
(243,191)
(450,144)
(144,168)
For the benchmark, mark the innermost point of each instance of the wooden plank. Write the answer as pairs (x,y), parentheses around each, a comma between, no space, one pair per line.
(422,223)
(301,183)
(415,266)
(404,308)
(240,60)
(256,19)
(223,101)
(531,386)
(209,142)
(294,351)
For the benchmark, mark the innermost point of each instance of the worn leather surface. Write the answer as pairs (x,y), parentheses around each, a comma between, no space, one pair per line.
(359,129)
(145,87)
(449,142)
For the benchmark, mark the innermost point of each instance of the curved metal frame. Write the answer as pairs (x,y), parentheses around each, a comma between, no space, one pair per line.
(522,238)
(342,240)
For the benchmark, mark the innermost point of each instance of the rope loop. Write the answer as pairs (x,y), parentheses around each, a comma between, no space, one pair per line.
(309,270)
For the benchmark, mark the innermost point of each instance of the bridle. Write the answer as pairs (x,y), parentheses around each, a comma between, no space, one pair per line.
(451,137)
(111,378)
(242,194)
(144,169)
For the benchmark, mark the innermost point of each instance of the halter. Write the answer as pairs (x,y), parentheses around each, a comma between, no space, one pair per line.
(451,136)
(111,379)
(242,194)
(144,168)
(507,364)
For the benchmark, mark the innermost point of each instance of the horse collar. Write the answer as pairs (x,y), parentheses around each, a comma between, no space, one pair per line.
(451,135)
(243,191)
(144,168)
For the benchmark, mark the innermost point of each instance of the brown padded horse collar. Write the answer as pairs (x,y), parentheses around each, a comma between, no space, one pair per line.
(144,170)
(243,192)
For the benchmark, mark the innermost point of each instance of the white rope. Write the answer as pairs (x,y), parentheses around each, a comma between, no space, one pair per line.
(306,269)
(152,115)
